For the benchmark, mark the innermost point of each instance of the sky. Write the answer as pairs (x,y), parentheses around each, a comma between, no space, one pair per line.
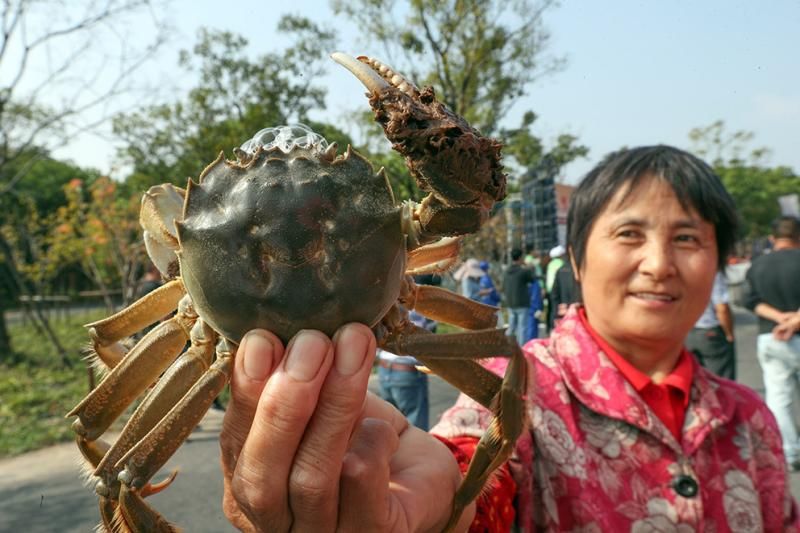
(638,72)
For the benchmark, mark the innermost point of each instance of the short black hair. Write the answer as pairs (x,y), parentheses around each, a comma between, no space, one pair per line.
(787,227)
(694,182)
(516,253)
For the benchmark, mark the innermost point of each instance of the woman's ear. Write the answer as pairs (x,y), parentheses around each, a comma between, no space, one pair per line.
(575,273)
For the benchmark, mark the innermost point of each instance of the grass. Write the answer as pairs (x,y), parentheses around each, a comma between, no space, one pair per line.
(36,390)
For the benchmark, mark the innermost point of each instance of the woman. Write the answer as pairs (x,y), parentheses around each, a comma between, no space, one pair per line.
(627,431)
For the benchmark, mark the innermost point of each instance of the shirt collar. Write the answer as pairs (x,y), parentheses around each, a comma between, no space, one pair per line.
(680,378)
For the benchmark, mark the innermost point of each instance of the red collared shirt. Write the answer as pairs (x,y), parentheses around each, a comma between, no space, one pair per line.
(667,399)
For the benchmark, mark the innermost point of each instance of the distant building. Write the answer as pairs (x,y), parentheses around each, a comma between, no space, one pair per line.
(546,204)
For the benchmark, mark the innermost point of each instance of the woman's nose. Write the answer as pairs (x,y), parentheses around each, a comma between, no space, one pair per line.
(658,260)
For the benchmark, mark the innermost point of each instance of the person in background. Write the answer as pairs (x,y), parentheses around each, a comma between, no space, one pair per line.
(565,292)
(487,293)
(712,337)
(402,384)
(535,310)
(773,294)
(532,261)
(469,275)
(516,295)
(556,262)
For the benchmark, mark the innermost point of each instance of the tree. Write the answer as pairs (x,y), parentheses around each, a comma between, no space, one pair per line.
(26,222)
(64,71)
(235,97)
(99,229)
(480,56)
(754,186)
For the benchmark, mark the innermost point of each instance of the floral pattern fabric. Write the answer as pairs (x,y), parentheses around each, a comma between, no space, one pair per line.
(596,458)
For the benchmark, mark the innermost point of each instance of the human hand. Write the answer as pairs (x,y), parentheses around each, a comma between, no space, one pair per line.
(787,327)
(306,448)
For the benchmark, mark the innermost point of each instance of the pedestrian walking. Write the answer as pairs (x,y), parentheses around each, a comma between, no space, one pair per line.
(402,384)
(469,275)
(487,292)
(773,293)
(516,280)
(565,292)
(711,340)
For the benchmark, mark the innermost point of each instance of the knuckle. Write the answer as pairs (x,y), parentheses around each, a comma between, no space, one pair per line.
(252,498)
(356,470)
(284,417)
(312,485)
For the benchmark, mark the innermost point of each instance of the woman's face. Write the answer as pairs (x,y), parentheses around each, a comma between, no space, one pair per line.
(649,268)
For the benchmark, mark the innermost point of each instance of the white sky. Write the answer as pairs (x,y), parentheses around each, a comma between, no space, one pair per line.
(639,72)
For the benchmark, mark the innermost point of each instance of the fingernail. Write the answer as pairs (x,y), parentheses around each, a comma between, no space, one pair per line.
(351,349)
(306,354)
(258,351)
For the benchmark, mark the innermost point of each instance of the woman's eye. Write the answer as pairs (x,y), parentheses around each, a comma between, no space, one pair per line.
(627,234)
(686,238)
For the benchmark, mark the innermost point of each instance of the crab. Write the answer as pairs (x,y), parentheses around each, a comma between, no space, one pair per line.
(294,235)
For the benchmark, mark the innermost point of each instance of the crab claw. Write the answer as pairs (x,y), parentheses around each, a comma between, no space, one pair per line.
(371,79)
(459,168)
(162,205)
(374,74)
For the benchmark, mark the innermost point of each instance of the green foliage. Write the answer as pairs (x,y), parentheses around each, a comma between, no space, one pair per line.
(37,390)
(754,186)
(235,97)
(43,184)
(756,189)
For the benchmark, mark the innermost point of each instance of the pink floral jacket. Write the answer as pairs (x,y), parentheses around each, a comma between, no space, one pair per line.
(598,459)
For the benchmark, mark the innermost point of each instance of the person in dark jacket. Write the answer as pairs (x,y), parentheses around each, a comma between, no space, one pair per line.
(565,291)
(773,282)
(517,296)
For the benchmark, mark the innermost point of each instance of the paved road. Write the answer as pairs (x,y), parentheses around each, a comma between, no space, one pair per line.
(40,491)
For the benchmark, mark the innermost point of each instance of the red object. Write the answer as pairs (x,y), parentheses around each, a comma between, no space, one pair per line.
(494,511)
(595,456)
(667,399)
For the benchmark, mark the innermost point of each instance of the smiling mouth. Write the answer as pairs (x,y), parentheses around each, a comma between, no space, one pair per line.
(654,296)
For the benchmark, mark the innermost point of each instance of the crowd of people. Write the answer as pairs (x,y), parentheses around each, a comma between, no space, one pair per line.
(635,420)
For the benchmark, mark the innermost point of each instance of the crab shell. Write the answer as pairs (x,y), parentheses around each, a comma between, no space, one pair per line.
(273,241)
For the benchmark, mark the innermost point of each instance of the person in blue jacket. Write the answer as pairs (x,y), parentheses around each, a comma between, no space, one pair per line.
(535,310)
(487,292)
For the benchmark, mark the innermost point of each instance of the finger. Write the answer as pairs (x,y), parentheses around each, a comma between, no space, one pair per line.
(364,488)
(314,480)
(425,488)
(286,405)
(377,407)
(257,355)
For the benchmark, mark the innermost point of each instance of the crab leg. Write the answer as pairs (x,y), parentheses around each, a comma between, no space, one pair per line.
(137,371)
(175,382)
(445,306)
(143,312)
(432,258)
(445,354)
(151,452)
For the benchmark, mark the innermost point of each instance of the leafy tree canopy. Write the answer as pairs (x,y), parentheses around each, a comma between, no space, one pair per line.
(753,184)
(235,97)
